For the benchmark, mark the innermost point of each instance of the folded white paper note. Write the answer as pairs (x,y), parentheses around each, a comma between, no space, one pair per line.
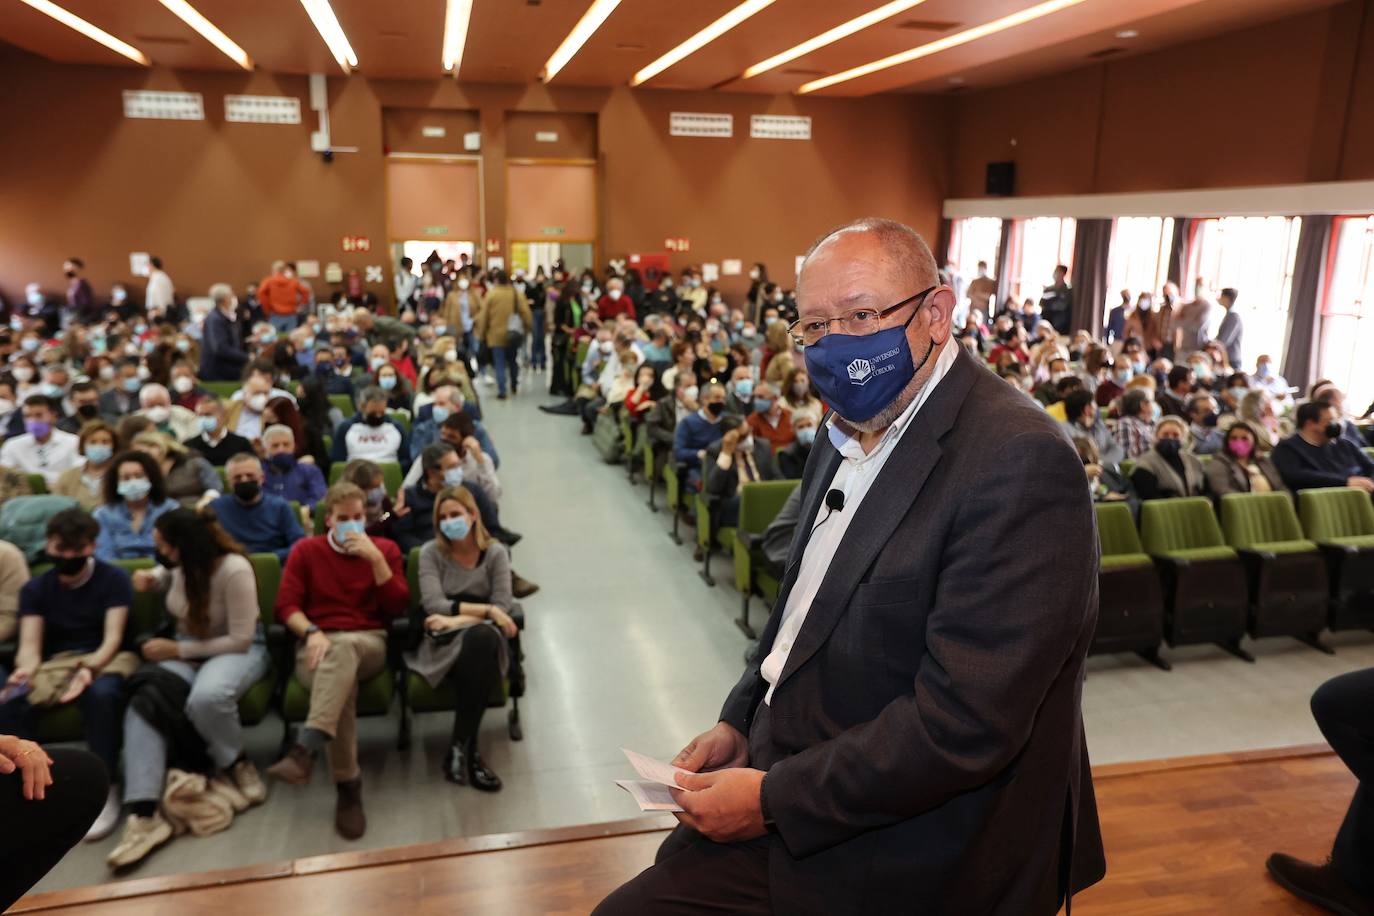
(650,796)
(653,770)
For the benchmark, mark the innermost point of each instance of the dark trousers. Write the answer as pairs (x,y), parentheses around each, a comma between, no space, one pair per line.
(692,875)
(1344,710)
(506,358)
(474,675)
(538,358)
(490,514)
(38,834)
(558,379)
(102,713)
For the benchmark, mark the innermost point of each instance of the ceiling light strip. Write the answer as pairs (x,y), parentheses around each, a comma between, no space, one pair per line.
(843,30)
(207,30)
(944,44)
(327,24)
(586,26)
(701,39)
(456,20)
(98,35)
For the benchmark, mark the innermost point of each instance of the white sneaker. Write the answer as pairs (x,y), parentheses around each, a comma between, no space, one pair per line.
(141,836)
(249,781)
(107,821)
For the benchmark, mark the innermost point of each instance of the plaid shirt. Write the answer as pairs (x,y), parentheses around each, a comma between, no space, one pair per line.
(1135,436)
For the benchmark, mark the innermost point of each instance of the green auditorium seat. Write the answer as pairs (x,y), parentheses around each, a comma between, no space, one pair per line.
(222,390)
(1285,572)
(402,417)
(1130,615)
(38,484)
(646,453)
(711,535)
(627,439)
(223,478)
(1205,597)
(392,475)
(674,475)
(344,403)
(1341,522)
(418,696)
(1127,467)
(254,704)
(759,503)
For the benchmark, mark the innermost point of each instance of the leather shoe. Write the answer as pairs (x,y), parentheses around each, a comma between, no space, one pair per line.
(456,766)
(1319,884)
(349,819)
(479,775)
(295,767)
(522,587)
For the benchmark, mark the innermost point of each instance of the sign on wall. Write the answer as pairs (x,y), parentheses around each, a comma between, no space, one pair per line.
(731,267)
(472,141)
(779,127)
(357,243)
(163,106)
(140,264)
(307,270)
(434,132)
(262,109)
(697,124)
(678,244)
(546,136)
(710,273)
(374,273)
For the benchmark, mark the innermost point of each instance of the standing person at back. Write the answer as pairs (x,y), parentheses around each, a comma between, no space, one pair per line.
(222,356)
(1231,333)
(282,297)
(502,324)
(160,295)
(981,290)
(1192,324)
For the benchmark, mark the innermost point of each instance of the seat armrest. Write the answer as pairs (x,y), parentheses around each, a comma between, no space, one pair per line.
(748,539)
(8,650)
(1249,554)
(1172,563)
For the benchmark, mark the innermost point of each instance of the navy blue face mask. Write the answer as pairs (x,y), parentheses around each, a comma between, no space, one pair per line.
(860,375)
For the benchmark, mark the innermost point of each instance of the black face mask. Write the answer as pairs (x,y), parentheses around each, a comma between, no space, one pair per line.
(245,491)
(70,566)
(374,419)
(715,409)
(71,273)
(1333,430)
(89,410)
(163,560)
(1210,420)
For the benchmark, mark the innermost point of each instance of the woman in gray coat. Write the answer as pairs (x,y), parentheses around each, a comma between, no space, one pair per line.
(1242,465)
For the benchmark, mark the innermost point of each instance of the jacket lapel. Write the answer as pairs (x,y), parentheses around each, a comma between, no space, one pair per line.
(883,508)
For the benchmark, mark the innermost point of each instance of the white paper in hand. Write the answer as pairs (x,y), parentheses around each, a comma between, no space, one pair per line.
(654,770)
(650,796)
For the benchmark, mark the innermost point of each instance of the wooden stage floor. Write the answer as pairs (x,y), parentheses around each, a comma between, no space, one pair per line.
(1184,836)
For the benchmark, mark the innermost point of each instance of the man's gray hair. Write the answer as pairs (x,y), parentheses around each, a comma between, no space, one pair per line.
(901,244)
(148,391)
(221,292)
(371,394)
(276,430)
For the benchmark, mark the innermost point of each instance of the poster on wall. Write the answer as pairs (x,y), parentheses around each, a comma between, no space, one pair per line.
(731,267)
(140,264)
(710,273)
(333,273)
(307,270)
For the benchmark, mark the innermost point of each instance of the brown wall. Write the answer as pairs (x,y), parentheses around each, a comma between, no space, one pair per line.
(220,201)
(1281,103)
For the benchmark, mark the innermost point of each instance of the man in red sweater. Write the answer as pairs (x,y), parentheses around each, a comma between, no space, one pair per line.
(615,302)
(337,592)
(281,296)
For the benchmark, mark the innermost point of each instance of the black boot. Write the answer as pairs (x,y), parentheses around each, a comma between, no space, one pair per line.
(481,778)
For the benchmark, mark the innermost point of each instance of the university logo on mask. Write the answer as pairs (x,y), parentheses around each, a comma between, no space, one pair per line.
(860,371)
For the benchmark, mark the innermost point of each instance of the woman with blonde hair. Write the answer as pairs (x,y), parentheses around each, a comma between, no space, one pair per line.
(98,442)
(466,602)
(189,478)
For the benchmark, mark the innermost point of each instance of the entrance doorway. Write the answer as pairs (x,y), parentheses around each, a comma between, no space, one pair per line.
(530,256)
(552,213)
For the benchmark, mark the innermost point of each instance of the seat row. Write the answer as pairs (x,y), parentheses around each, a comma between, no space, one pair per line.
(1262,569)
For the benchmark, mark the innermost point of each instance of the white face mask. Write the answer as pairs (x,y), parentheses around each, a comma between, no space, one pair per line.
(183,384)
(462,284)
(107,372)
(158,414)
(614,294)
(256,402)
(22,373)
(690,393)
(451,356)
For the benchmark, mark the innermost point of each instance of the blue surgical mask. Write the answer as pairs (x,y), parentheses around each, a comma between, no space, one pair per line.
(1156,411)
(343,529)
(806,435)
(744,389)
(98,454)
(762,405)
(208,424)
(183,346)
(309,343)
(456,528)
(861,375)
(132,384)
(453,477)
(440,414)
(134,488)
(387,382)
(29,344)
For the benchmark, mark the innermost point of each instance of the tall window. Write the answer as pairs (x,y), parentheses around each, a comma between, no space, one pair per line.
(1038,245)
(1139,260)
(974,239)
(1347,319)
(1254,255)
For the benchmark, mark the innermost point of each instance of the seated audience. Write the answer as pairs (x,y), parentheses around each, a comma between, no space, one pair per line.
(1168,470)
(640,399)
(792,458)
(1317,455)
(1105,481)
(186,390)
(660,423)
(1173,400)
(371,434)
(799,398)
(1085,420)
(261,522)
(465,600)
(43,448)
(155,403)
(1325,391)
(189,478)
(215,443)
(14,572)
(738,458)
(309,444)
(739,393)
(770,420)
(440,469)
(85,482)
(1257,408)
(1241,465)
(1202,415)
(1135,430)
(121,398)
(698,430)
(338,592)
(381,512)
(286,476)
(217,650)
(71,647)
(135,495)
(244,415)
(84,398)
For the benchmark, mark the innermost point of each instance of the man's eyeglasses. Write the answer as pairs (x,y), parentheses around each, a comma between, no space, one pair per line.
(857,322)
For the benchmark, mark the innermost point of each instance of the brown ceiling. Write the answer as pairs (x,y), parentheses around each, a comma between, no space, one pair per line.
(509,40)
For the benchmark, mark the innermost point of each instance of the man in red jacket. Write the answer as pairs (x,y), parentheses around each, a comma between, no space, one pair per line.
(337,591)
(281,296)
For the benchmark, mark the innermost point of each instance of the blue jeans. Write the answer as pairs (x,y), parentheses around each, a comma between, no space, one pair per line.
(501,357)
(213,708)
(284,324)
(101,705)
(538,359)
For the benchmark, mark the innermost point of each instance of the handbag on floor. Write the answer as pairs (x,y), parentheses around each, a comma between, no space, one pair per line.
(607,439)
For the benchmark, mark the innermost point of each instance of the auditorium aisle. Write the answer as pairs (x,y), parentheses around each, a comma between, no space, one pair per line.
(626,646)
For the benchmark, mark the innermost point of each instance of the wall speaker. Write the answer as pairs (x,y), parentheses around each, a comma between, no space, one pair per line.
(1001,179)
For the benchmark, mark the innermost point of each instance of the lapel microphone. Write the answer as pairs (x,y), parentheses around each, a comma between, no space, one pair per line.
(834,502)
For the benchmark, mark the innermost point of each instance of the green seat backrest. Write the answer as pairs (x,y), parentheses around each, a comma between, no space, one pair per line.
(761,501)
(223,477)
(413,575)
(402,417)
(328,444)
(344,403)
(148,609)
(1116,530)
(1258,518)
(1335,512)
(267,570)
(392,475)
(222,390)
(1127,466)
(38,484)
(1178,524)
(319,518)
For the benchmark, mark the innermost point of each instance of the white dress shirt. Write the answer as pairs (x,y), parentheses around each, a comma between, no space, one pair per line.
(854,477)
(160,295)
(29,456)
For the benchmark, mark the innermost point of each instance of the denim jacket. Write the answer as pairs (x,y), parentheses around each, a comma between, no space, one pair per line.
(118,540)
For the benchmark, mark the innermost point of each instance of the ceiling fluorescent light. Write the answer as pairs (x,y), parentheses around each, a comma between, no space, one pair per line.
(943,44)
(588,24)
(456,33)
(192,17)
(76,23)
(327,24)
(843,30)
(701,39)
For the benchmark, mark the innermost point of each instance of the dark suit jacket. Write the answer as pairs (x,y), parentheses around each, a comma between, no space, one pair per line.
(724,483)
(222,356)
(924,747)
